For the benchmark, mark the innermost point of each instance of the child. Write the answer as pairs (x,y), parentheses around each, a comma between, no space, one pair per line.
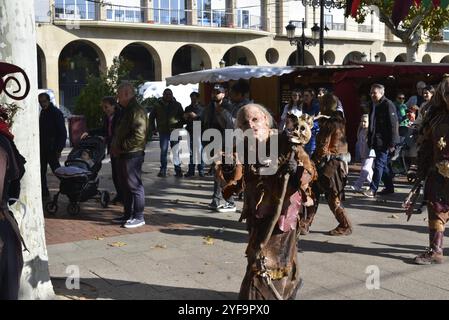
(367,156)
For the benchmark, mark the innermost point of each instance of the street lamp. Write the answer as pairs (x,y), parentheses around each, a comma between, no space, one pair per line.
(301,41)
(328,4)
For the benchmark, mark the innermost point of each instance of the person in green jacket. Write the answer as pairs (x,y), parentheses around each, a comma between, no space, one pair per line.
(169,115)
(128,145)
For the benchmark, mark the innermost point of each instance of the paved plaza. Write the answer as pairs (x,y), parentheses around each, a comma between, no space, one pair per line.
(186,251)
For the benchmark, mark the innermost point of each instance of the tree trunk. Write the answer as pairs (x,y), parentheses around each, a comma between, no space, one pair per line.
(412,52)
(18,46)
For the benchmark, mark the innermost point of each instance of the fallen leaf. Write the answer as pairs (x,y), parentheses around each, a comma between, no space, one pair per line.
(159,246)
(394,216)
(98,238)
(425,219)
(208,240)
(117,244)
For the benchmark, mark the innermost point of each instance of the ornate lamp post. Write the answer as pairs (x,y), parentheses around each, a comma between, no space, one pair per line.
(301,41)
(328,4)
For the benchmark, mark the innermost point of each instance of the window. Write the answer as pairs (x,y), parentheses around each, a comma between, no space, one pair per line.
(170,11)
(243,19)
(74,9)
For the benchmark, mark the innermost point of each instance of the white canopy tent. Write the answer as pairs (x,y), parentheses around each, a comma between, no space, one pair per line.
(228,73)
(237,72)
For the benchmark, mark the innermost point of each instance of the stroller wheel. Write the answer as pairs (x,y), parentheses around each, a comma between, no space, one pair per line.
(104,199)
(51,207)
(73,208)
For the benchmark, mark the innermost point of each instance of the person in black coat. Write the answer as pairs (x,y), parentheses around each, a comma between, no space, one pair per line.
(112,114)
(383,136)
(52,138)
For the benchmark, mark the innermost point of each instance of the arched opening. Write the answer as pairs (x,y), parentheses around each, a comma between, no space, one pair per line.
(190,58)
(380,57)
(353,56)
(41,69)
(401,58)
(309,60)
(77,61)
(140,60)
(427,58)
(239,55)
(445,59)
(329,57)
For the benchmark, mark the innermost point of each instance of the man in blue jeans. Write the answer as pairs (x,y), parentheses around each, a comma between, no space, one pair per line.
(169,115)
(128,145)
(383,135)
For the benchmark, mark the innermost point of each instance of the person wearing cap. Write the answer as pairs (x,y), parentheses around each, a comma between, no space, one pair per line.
(169,115)
(214,118)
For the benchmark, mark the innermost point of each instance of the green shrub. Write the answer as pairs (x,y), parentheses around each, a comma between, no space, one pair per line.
(88,103)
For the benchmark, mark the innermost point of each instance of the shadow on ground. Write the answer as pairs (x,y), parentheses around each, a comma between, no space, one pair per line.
(96,288)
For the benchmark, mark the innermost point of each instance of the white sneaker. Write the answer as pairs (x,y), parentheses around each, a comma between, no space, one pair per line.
(134,223)
(353,188)
(228,207)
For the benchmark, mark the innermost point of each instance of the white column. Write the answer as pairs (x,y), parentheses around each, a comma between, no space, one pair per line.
(18,46)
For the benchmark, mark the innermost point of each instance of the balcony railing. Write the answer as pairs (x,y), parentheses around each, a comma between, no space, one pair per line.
(365,28)
(212,18)
(337,26)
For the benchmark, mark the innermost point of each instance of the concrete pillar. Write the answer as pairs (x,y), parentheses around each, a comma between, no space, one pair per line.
(52,71)
(100,12)
(148,10)
(230,13)
(280,23)
(192,12)
(265,12)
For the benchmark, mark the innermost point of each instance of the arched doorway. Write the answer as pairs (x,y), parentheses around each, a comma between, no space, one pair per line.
(380,57)
(190,58)
(445,59)
(77,61)
(141,59)
(401,58)
(239,55)
(41,69)
(352,56)
(309,60)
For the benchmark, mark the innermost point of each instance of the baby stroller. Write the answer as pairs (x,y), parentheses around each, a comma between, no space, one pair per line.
(404,157)
(79,177)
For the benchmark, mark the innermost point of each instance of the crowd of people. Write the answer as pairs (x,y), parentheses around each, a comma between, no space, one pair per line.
(312,161)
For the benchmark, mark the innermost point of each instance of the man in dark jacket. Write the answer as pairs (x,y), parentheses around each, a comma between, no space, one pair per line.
(128,145)
(169,115)
(52,138)
(383,135)
(192,113)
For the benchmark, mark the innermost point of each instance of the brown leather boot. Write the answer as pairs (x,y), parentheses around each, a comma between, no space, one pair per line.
(304,224)
(344,227)
(434,254)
